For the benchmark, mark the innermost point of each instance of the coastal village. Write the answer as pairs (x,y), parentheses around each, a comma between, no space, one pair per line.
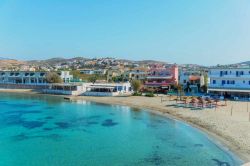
(124,83)
(114,77)
(215,99)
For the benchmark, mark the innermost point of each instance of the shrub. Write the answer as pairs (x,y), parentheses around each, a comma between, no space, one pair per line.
(137,94)
(149,95)
(53,77)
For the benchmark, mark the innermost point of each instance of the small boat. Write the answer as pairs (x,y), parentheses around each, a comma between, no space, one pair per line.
(66,98)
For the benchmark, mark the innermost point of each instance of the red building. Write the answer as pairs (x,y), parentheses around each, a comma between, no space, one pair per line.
(162,77)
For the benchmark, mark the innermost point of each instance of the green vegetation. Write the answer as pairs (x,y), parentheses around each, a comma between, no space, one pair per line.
(137,94)
(136,85)
(149,94)
(86,77)
(205,86)
(92,79)
(118,79)
(53,77)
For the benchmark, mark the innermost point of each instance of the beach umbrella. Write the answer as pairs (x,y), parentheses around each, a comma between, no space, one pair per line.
(194,101)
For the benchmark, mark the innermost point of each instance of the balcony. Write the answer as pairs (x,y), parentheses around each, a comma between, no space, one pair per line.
(159,77)
(156,83)
(229,86)
(229,76)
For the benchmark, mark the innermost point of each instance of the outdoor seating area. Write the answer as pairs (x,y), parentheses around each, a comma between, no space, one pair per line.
(196,102)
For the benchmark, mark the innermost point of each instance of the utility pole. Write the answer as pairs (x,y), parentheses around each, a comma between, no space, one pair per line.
(232,110)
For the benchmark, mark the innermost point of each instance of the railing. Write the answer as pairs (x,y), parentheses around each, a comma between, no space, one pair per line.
(159,77)
(229,76)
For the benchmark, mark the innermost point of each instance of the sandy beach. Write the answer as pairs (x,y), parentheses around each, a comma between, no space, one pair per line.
(229,124)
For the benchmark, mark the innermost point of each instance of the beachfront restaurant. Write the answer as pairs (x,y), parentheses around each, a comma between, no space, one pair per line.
(121,89)
(65,89)
(233,93)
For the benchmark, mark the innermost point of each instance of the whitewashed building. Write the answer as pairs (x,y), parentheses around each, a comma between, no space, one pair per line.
(30,77)
(65,89)
(108,89)
(230,82)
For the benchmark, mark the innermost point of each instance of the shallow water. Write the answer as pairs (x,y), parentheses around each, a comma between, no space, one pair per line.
(45,130)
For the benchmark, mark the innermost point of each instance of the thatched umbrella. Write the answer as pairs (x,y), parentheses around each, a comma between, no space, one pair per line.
(216,102)
(194,101)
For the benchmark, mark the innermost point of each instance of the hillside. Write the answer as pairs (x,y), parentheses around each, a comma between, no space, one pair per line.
(54,61)
(8,64)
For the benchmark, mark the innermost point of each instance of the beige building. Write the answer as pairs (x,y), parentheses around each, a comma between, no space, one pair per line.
(135,74)
(111,73)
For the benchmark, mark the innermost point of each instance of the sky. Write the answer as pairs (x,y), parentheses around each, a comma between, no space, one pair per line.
(205,32)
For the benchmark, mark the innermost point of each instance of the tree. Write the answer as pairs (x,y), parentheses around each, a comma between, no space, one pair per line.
(117,79)
(179,90)
(205,86)
(136,85)
(53,77)
(92,79)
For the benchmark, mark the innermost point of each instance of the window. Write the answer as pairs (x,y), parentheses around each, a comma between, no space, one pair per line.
(237,73)
(249,82)
(244,82)
(228,82)
(184,81)
(214,81)
(223,82)
(119,88)
(221,73)
(232,82)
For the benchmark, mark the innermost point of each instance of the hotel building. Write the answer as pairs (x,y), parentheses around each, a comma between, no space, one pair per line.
(230,82)
(136,74)
(30,77)
(162,77)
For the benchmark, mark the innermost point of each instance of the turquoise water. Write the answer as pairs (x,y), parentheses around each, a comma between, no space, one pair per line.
(40,131)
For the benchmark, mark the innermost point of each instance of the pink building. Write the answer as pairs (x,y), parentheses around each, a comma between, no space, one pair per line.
(161,76)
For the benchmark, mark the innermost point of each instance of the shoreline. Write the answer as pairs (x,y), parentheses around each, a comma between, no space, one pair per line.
(228,144)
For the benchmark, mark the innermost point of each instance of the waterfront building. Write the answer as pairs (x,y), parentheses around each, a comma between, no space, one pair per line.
(108,89)
(230,82)
(30,77)
(136,74)
(192,81)
(66,89)
(162,77)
